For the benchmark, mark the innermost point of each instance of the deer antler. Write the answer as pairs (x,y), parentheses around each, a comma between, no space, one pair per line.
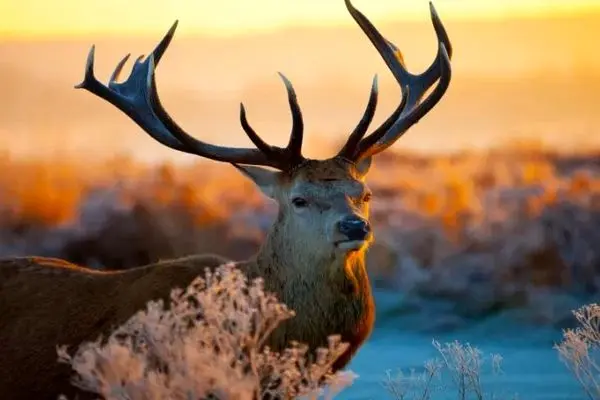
(412,106)
(138,98)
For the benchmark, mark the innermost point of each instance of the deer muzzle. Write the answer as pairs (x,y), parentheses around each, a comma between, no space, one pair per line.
(355,229)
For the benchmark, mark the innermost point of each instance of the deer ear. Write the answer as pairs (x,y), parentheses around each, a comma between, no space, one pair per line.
(265,179)
(362,167)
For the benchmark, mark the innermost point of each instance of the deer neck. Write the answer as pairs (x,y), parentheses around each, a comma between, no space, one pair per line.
(291,264)
(330,294)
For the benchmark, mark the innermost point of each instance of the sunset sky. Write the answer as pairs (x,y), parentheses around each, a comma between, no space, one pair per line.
(25,18)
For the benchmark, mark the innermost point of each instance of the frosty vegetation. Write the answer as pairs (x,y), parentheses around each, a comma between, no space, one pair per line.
(458,369)
(208,344)
(580,349)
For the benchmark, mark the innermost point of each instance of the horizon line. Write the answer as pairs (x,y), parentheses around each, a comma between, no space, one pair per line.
(588,10)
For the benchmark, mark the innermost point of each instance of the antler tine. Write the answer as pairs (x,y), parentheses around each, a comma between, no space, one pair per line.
(115,75)
(251,133)
(162,46)
(288,156)
(361,128)
(371,139)
(138,98)
(294,146)
(413,86)
(431,74)
(380,43)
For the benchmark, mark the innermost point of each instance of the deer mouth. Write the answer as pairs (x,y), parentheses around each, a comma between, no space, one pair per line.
(350,244)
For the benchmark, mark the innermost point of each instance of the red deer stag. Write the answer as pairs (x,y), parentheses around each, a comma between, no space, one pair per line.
(313,257)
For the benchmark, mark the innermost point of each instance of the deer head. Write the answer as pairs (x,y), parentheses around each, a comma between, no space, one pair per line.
(323,203)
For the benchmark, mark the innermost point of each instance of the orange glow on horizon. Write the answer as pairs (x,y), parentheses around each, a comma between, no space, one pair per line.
(37,18)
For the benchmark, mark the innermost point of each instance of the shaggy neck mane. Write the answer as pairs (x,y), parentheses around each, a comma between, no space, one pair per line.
(294,264)
(330,293)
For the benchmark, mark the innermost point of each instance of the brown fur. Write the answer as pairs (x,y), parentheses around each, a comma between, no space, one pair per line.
(47,302)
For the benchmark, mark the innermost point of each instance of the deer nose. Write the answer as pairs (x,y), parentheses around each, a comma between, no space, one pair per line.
(354,228)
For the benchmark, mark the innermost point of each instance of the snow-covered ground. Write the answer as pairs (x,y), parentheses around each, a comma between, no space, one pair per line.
(530,369)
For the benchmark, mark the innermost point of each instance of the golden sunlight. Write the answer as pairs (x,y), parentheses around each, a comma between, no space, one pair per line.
(26,18)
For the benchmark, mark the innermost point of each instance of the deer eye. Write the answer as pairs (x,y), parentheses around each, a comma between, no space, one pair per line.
(367,197)
(299,202)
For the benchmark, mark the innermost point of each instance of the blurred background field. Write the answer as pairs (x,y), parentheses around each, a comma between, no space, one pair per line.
(488,210)
(507,229)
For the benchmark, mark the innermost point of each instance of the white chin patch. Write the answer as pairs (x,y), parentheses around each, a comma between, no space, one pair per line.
(351,245)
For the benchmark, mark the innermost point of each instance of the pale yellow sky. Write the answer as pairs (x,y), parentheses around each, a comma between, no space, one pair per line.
(79,17)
